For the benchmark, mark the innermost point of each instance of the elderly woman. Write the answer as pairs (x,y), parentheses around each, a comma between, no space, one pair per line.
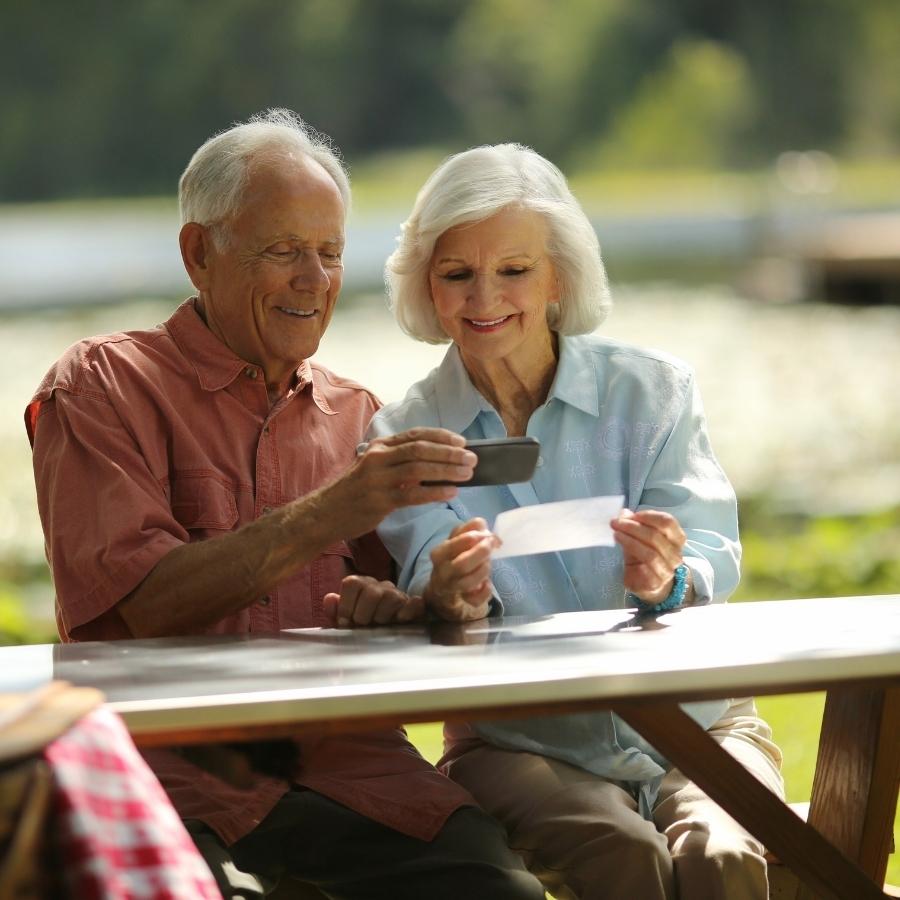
(499,258)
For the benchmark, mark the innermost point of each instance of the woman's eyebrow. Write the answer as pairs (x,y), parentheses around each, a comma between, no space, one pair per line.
(520,254)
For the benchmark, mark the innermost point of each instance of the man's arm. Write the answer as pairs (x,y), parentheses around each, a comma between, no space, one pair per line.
(197,584)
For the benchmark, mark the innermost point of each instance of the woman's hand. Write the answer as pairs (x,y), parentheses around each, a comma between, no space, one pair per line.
(460,585)
(366,601)
(652,543)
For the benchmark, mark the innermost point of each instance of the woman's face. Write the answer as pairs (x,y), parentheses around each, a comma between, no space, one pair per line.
(491,283)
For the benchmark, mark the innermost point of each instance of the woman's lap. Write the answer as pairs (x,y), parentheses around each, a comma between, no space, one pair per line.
(583,836)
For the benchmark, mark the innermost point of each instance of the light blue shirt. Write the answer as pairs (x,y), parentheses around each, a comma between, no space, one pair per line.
(617,420)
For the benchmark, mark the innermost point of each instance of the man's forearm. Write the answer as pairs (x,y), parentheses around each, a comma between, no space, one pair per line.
(197,584)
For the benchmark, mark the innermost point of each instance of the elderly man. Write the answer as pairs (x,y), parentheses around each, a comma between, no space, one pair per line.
(200,477)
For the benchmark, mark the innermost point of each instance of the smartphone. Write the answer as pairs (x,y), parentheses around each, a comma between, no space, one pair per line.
(500,461)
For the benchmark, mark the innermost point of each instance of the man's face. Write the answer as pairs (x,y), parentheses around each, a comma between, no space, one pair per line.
(272,288)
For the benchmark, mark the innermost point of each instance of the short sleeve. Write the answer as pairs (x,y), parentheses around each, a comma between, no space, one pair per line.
(107,520)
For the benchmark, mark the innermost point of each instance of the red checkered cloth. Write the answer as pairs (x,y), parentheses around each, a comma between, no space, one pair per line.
(119,836)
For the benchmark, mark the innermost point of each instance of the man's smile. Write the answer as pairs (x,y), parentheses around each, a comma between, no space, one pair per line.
(299,313)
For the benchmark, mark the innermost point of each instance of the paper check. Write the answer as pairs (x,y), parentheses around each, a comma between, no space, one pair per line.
(557,526)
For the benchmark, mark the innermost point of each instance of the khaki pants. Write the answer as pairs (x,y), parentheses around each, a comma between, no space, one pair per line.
(583,837)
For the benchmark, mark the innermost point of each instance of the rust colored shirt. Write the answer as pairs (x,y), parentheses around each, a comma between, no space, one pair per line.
(147,440)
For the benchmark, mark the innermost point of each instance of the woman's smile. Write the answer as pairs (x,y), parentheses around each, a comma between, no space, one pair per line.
(484,325)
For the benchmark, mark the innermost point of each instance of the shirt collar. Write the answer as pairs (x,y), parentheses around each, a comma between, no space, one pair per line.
(459,402)
(215,364)
(576,381)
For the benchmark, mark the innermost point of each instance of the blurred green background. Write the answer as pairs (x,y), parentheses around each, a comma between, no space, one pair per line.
(718,147)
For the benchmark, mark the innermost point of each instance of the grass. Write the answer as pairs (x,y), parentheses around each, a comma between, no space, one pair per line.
(795,720)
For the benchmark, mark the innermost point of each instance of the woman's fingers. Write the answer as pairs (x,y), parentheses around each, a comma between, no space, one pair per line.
(649,532)
(652,543)
(462,562)
(460,587)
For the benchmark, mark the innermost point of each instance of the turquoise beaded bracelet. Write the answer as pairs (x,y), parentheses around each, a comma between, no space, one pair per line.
(673,601)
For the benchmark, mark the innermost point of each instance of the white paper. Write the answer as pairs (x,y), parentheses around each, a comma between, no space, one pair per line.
(557,526)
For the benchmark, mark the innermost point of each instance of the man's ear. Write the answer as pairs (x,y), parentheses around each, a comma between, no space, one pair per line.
(196,245)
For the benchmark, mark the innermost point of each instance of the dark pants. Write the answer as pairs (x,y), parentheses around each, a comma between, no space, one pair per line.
(349,857)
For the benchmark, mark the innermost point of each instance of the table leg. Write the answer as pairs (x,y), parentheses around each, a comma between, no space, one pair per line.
(854,795)
(816,862)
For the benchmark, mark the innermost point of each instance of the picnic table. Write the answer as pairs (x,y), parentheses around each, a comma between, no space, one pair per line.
(189,690)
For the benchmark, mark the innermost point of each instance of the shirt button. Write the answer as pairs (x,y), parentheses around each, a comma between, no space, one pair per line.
(540,460)
(265,601)
(250,372)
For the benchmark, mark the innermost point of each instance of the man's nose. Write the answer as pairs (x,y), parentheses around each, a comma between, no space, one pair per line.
(310,274)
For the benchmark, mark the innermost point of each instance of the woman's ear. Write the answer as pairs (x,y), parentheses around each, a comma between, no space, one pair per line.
(195,242)
(556,291)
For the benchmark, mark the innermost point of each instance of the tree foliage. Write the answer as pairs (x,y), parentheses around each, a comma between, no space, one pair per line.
(105,97)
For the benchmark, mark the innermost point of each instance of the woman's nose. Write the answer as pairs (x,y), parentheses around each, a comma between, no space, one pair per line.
(481,290)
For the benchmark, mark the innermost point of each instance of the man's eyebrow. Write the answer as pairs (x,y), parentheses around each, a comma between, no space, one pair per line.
(290,236)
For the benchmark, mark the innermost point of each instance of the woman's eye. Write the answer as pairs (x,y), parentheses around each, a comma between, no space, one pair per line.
(515,270)
(456,275)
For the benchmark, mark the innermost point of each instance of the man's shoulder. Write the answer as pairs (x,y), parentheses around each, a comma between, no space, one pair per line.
(339,389)
(88,364)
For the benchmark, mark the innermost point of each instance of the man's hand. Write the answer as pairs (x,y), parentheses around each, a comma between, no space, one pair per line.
(389,474)
(460,586)
(197,584)
(366,601)
(652,543)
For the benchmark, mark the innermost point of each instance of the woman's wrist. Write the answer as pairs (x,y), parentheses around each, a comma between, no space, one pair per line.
(454,607)
(677,592)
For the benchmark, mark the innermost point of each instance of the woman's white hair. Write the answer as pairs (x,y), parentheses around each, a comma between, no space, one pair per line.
(475,185)
(211,188)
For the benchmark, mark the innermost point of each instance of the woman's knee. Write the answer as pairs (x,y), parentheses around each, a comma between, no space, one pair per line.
(707,866)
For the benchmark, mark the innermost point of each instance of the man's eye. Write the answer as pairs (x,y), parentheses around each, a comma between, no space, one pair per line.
(281,250)
(331,256)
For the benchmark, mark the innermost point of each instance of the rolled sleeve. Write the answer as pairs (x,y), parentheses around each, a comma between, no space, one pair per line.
(106,518)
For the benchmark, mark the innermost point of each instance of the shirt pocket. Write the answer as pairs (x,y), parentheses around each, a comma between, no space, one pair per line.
(326,573)
(203,503)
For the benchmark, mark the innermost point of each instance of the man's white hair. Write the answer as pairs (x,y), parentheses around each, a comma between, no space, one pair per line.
(211,188)
(475,185)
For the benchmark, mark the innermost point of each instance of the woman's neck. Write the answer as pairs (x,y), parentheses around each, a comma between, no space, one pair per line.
(516,387)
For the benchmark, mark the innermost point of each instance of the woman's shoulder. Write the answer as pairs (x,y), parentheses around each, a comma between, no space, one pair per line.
(418,407)
(611,357)
(620,353)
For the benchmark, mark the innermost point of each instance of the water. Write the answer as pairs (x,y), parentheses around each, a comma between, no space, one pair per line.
(801,399)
